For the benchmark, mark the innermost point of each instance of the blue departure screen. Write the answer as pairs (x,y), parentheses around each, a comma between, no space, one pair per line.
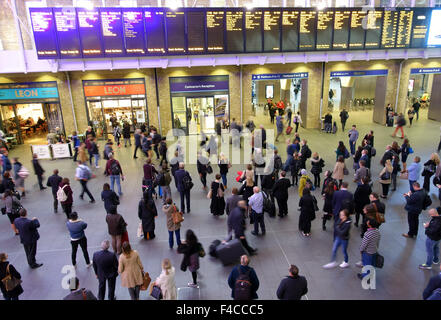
(43,27)
(111,27)
(67,33)
(90,35)
(133,22)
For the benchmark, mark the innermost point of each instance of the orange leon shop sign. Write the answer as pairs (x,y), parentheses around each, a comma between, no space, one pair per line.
(114,90)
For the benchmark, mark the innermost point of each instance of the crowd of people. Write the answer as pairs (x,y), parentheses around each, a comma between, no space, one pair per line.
(248,200)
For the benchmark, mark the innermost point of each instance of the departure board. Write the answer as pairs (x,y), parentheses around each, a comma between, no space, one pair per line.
(155,31)
(111,24)
(90,34)
(420,27)
(271,30)
(307,30)
(325,22)
(357,32)
(133,22)
(373,21)
(290,30)
(196,31)
(253,31)
(43,27)
(234,30)
(215,31)
(175,26)
(342,20)
(404,29)
(67,33)
(389,33)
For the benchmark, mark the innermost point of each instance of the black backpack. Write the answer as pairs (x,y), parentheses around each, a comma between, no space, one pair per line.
(278,163)
(307,153)
(268,205)
(242,287)
(187,183)
(160,179)
(114,168)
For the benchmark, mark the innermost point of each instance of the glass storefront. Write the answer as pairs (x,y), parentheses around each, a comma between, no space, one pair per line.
(29,111)
(115,101)
(197,103)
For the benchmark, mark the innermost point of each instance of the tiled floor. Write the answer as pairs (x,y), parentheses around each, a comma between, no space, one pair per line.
(283,244)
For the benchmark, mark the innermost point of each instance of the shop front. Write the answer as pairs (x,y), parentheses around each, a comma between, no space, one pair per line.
(29,111)
(109,102)
(361,91)
(197,102)
(287,89)
(421,82)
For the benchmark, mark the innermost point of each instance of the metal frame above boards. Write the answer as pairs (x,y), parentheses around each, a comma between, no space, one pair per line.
(299,28)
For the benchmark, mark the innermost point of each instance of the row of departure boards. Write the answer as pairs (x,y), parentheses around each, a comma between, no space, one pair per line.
(118,32)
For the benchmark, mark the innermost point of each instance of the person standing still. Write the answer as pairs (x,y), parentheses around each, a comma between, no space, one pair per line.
(433,233)
(279,125)
(293,287)
(353,137)
(416,106)
(414,206)
(255,202)
(28,236)
(114,171)
(38,171)
(7,268)
(105,265)
(116,228)
(54,182)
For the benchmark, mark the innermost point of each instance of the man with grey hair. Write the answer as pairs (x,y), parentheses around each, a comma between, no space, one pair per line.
(105,265)
(255,202)
(184,185)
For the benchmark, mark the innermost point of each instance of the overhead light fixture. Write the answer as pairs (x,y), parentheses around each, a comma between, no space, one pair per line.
(87,4)
(173,5)
(321,6)
(249,6)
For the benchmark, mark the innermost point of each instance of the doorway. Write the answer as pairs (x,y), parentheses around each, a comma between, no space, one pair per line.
(200,115)
(420,89)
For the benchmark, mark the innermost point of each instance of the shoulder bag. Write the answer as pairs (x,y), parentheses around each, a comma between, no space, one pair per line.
(10,282)
(156,292)
(146,281)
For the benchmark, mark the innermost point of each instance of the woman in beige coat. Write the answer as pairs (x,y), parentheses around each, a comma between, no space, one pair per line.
(168,209)
(131,270)
(166,281)
(338,173)
(386,178)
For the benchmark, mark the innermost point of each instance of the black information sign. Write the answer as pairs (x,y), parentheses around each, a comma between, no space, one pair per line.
(420,27)
(90,34)
(155,31)
(67,33)
(196,31)
(357,31)
(175,25)
(43,27)
(253,31)
(134,40)
(215,31)
(390,23)
(342,20)
(404,30)
(373,21)
(111,24)
(307,30)
(325,23)
(234,30)
(290,30)
(271,30)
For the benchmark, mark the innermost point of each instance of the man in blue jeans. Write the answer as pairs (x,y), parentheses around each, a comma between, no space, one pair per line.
(353,137)
(414,172)
(433,233)
(114,171)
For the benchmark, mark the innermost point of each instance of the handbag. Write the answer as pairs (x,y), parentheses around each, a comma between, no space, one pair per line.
(410,150)
(345,171)
(378,261)
(146,281)
(125,237)
(404,176)
(140,232)
(314,200)
(156,292)
(9,281)
(209,169)
(209,194)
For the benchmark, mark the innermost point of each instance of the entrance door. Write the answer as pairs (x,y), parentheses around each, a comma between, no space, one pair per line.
(53,116)
(97,117)
(138,113)
(200,115)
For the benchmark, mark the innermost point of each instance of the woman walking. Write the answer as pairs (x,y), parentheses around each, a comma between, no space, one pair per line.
(361,198)
(386,178)
(166,281)
(216,194)
(12,204)
(8,269)
(131,270)
(224,165)
(307,205)
(317,165)
(147,213)
(328,194)
(192,250)
(169,208)
(339,170)
(116,227)
(341,238)
(19,177)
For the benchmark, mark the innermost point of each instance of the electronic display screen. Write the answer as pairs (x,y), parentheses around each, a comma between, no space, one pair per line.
(271,30)
(404,29)
(67,33)
(45,38)
(342,20)
(374,19)
(90,34)
(290,30)
(389,34)
(325,23)
(175,26)
(253,31)
(307,30)
(215,31)
(111,25)
(234,30)
(420,27)
(357,32)
(434,38)
(196,31)
(133,22)
(155,31)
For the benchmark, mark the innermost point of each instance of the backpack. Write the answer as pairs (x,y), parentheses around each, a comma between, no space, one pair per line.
(309,184)
(160,179)
(61,195)
(268,205)
(307,153)
(16,207)
(187,183)
(385,176)
(427,201)
(177,216)
(242,287)
(114,168)
(278,163)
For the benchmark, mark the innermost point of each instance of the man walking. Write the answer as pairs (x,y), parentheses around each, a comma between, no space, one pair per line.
(255,202)
(401,122)
(342,199)
(184,185)
(54,182)
(236,224)
(138,137)
(38,171)
(414,206)
(343,118)
(76,229)
(353,137)
(293,287)
(105,265)
(83,175)
(28,236)
(433,233)
(114,171)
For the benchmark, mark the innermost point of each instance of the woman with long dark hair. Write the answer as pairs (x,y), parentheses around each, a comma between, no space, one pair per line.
(341,151)
(147,213)
(327,207)
(192,250)
(217,205)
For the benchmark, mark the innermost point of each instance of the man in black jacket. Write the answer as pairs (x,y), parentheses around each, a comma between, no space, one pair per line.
(28,236)
(433,233)
(433,289)
(105,265)
(280,192)
(305,154)
(156,140)
(237,225)
(414,206)
(202,165)
(54,182)
(293,287)
(342,199)
(180,175)
(38,171)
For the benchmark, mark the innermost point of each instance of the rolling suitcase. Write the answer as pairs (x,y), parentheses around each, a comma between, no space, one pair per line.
(230,252)
(288,130)
(188,293)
